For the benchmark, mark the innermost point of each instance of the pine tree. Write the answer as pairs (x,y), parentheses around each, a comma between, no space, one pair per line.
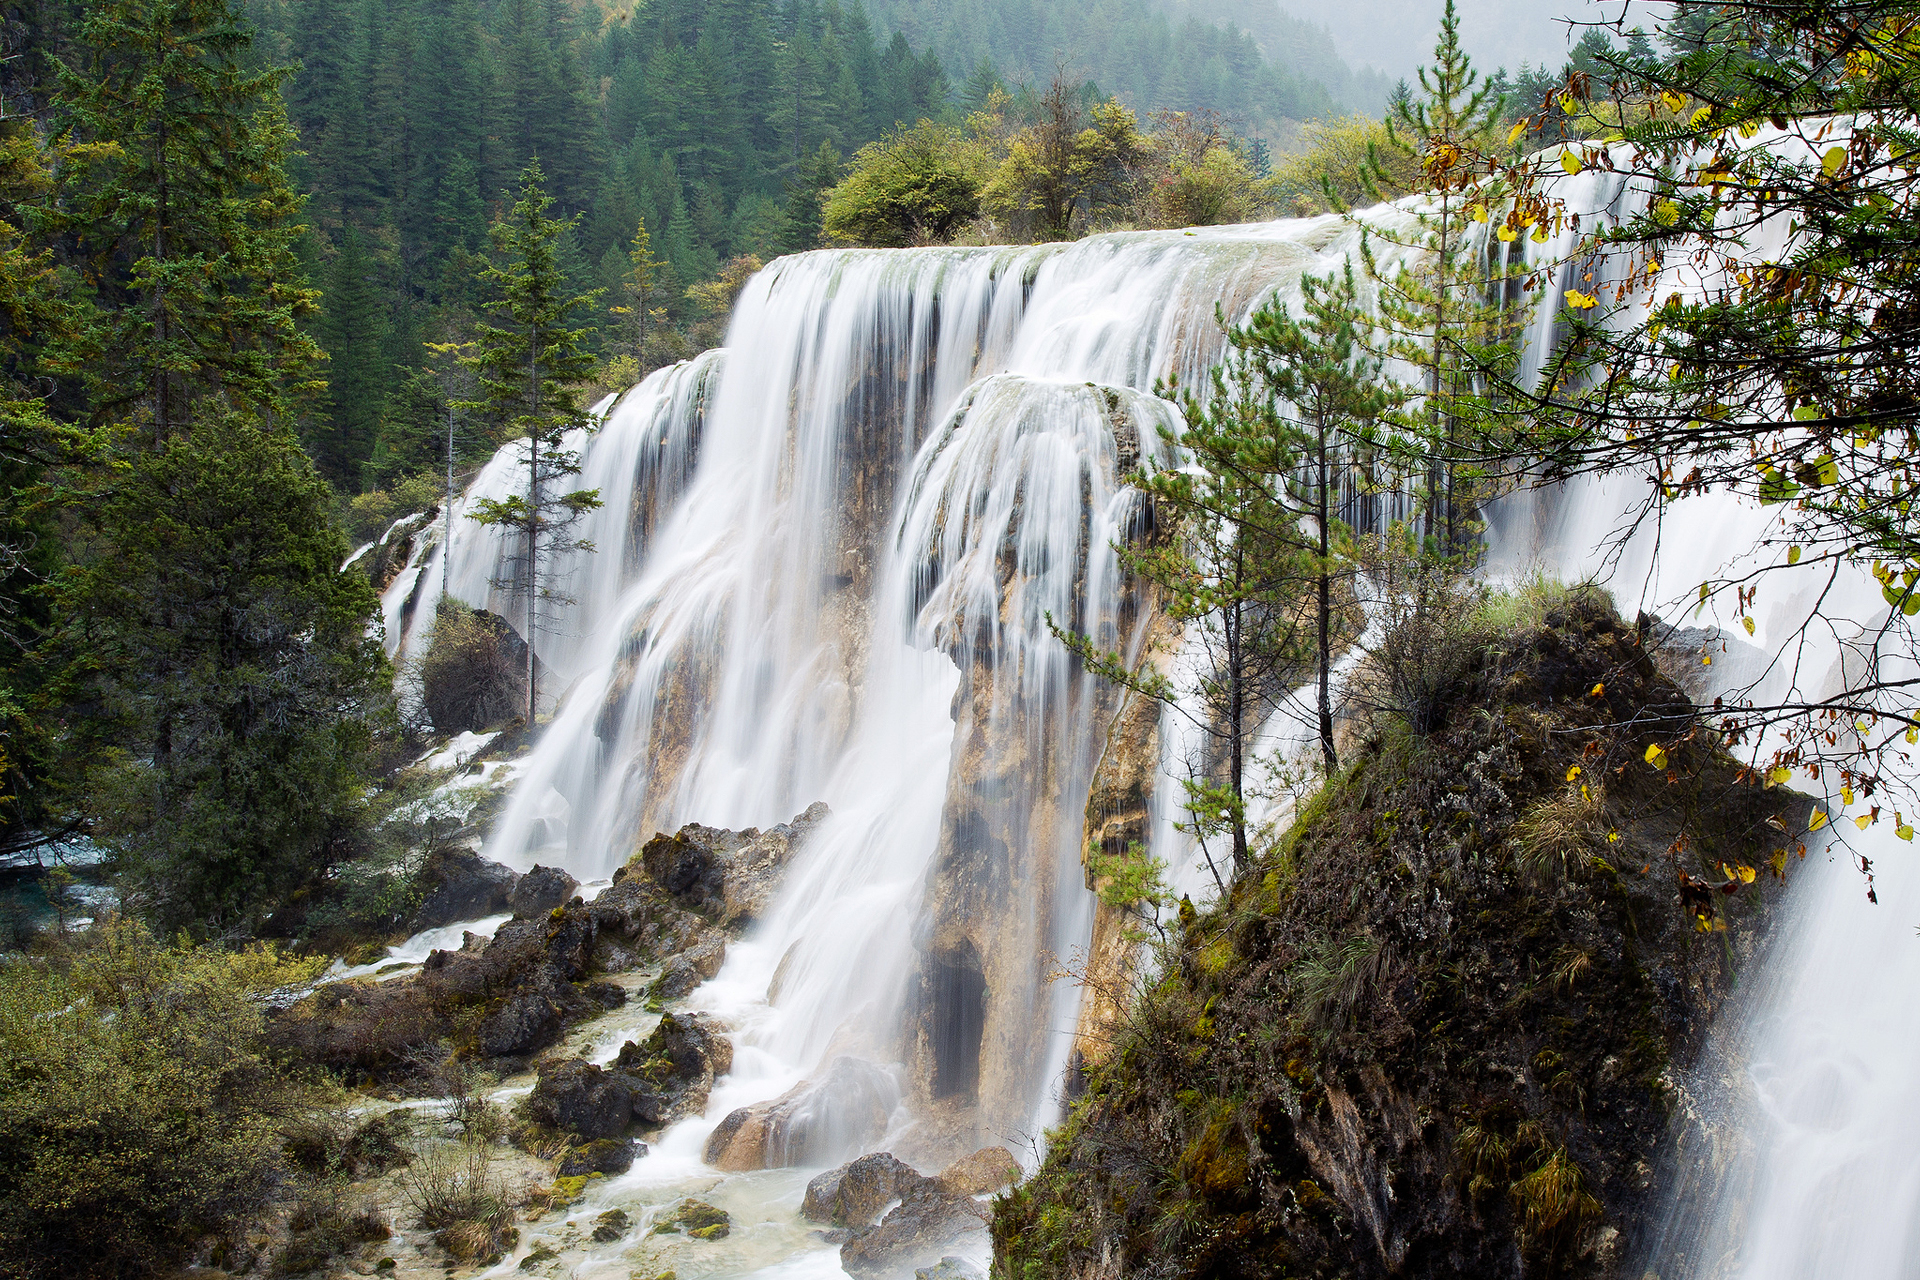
(1434,305)
(187,221)
(639,283)
(238,683)
(1336,400)
(529,367)
(351,329)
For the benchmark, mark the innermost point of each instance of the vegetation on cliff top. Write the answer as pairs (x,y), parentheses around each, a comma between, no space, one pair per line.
(1430,1031)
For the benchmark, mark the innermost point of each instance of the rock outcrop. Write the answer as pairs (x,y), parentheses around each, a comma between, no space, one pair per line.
(461,885)
(928,1222)
(846,1109)
(540,890)
(858,1192)
(728,876)
(513,996)
(673,1070)
(1441,1022)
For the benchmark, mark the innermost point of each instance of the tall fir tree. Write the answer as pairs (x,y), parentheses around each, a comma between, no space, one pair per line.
(529,367)
(187,220)
(352,329)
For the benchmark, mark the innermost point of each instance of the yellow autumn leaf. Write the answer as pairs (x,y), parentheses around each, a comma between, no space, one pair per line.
(1478,213)
(1570,162)
(1818,820)
(1700,117)
(1674,101)
(1613,837)
(1748,624)
(1573,771)
(1507,234)
(1747,874)
(1904,831)
(1666,213)
(1793,555)
(1584,301)
(1657,756)
(1913,736)
(1779,776)
(1846,795)
(1514,135)
(1830,162)
(1864,821)
(1540,234)
(1597,691)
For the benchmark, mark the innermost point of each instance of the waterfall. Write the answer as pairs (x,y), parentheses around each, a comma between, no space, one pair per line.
(824,571)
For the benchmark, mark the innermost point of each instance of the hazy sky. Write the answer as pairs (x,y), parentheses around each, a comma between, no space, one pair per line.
(1397,35)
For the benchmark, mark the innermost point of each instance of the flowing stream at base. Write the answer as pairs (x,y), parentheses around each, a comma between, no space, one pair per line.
(825,570)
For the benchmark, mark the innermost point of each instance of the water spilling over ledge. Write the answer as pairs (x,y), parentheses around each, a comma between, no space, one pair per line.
(825,563)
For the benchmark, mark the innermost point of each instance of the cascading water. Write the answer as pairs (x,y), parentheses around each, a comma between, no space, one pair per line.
(826,564)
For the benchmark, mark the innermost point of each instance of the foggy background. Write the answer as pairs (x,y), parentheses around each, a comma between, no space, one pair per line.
(1396,36)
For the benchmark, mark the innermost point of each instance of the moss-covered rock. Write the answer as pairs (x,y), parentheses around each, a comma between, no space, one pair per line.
(1432,1032)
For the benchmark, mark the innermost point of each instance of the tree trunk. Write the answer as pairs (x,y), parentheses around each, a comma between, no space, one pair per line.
(533,526)
(1324,607)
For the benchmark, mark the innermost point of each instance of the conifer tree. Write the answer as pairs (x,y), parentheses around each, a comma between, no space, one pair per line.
(530,365)
(639,282)
(184,215)
(1433,304)
(1334,400)
(351,329)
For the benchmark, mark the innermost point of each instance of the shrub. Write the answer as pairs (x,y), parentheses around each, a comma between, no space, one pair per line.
(139,1114)
(915,186)
(474,672)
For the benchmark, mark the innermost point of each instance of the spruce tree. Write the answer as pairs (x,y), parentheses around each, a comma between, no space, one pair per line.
(351,328)
(530,365)
(187,220)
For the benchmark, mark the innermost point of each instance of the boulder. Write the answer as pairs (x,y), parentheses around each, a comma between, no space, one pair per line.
(855,1194)
(607,1156)
(671,1073)
(984,1172)
(728,876)
(461,885)
(540,890)
(691,967)
(576,1097)
(815,1121)
(610,1226)
(928,1221)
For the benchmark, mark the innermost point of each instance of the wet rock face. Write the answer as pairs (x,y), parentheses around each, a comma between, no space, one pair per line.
(844,1110)
(540,890)
(606,1156)
(984,1172)
(929,1221)
(728,876)
(855,1194)
(461,885)
(671,1073)
(581,1099)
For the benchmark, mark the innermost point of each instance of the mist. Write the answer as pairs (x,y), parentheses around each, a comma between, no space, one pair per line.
(1396,36)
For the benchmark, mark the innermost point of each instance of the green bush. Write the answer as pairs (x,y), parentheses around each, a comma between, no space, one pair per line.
(915,186)
(369,514)
(139,1114)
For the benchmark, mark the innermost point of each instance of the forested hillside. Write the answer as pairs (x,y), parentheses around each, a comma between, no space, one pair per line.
(1173,56)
